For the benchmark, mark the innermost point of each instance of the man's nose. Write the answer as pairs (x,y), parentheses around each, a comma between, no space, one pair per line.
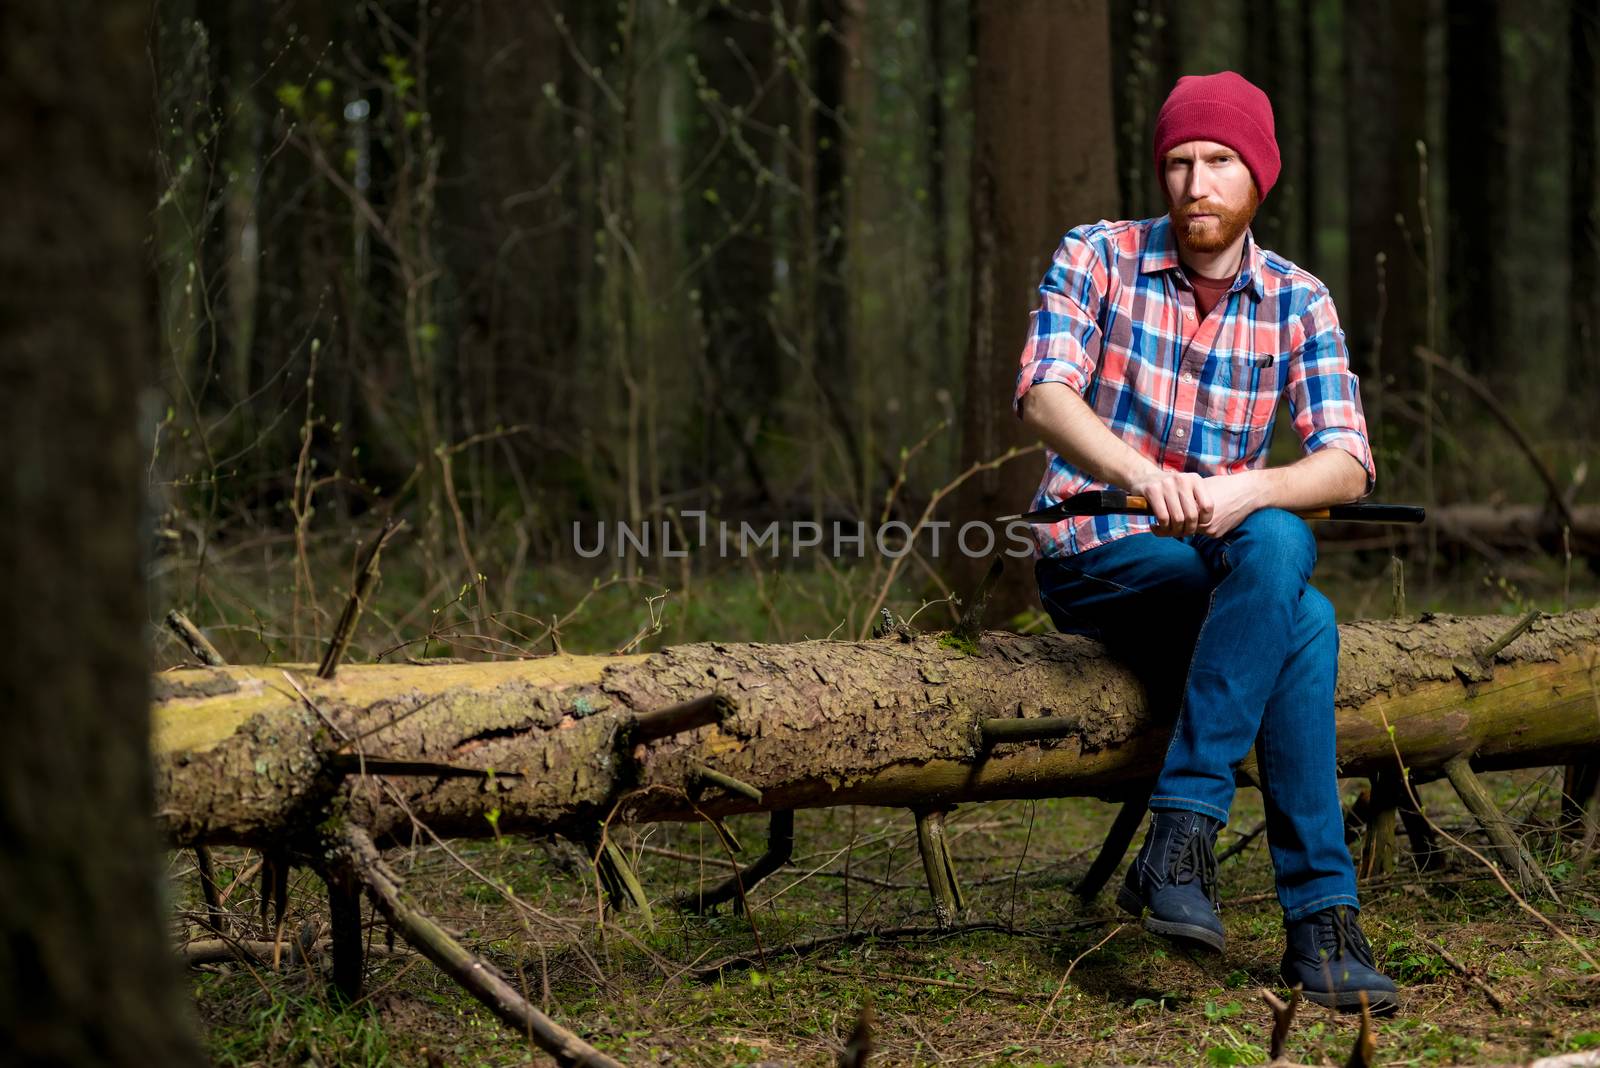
(1198,185)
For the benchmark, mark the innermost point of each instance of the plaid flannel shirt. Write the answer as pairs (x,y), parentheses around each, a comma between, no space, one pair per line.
(1118,323)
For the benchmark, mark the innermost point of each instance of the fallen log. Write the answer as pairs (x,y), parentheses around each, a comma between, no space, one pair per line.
(264,756)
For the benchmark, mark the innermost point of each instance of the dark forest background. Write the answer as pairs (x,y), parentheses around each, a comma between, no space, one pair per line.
(497,266)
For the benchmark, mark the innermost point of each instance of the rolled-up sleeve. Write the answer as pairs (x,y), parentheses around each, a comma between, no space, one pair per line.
(1324,394)
(1061,343)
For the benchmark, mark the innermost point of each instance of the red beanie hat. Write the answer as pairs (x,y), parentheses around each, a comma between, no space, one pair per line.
(1227,109)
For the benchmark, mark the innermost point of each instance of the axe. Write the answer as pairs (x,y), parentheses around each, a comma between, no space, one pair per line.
(1121,502)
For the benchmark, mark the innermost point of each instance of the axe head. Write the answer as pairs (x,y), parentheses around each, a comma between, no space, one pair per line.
(1092,502)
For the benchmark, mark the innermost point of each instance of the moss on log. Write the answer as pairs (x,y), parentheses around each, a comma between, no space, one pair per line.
(247,755)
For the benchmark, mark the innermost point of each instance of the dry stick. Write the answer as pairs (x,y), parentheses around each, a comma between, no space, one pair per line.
(197,643)
(725,835)
(1050,1007)
(859,1048)
(259,951)
(780,847)
(713,777)
(1547,922)
(1487,654)
(1244,841)
(1129,818)
(208,887)
(1366,1047)
(1029,729)
(346,944)
(970,625)
(621,884)
(1378,847)
(366,579)
(1482,806)
(1282,1018)
(938,866)
(476,975)
(239,880)
(1558,499)
(1462,970)
(675,719)
(738,885)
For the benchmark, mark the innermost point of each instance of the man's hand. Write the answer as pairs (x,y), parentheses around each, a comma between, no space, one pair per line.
(1233,497)
(1181,500)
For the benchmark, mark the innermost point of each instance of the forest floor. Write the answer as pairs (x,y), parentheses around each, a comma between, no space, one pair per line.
(1000,994)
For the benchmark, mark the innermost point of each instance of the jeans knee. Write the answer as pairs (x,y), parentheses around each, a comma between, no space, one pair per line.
(1316,618)
(1276,542)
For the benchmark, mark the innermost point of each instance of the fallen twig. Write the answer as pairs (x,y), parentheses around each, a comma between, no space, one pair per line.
(476,976)
(1244,841)
(1471,977)
(259,951)
(1050,1007)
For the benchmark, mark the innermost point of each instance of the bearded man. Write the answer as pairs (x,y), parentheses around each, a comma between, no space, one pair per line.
(1155,363)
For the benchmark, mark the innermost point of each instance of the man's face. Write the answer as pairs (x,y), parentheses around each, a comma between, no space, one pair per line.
(1210,195)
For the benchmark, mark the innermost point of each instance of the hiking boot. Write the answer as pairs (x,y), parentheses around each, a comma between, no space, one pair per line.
(1331,960)
(1175,878)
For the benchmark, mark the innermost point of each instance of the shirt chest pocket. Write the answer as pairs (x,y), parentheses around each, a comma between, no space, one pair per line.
(1239,390)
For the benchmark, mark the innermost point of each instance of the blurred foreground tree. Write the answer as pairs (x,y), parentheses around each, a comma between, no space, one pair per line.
(85,973)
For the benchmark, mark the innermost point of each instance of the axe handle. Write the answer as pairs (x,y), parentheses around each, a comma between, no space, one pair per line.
(1353,513)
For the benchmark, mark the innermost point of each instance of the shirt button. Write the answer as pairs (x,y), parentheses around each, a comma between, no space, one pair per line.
(1187,377)
(1179,432)
(1188,313)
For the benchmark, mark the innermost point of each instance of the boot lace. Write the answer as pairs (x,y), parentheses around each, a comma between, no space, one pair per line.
(1195,860)
(1338,933)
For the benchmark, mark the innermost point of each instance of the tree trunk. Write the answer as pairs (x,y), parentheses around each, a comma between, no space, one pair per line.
(1583,356)
(85,974)
(507,158)
(253,755)
(1478,171)
(739,97)
(1384,122)
(1043,162)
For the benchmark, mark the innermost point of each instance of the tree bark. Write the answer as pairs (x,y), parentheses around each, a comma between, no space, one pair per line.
(248,754)
(1043,162)
(85,973)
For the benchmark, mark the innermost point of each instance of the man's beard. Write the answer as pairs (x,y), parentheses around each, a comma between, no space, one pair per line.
(1216,234)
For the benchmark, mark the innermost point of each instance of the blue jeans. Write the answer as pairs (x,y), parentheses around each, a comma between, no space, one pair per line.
(1228,630)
